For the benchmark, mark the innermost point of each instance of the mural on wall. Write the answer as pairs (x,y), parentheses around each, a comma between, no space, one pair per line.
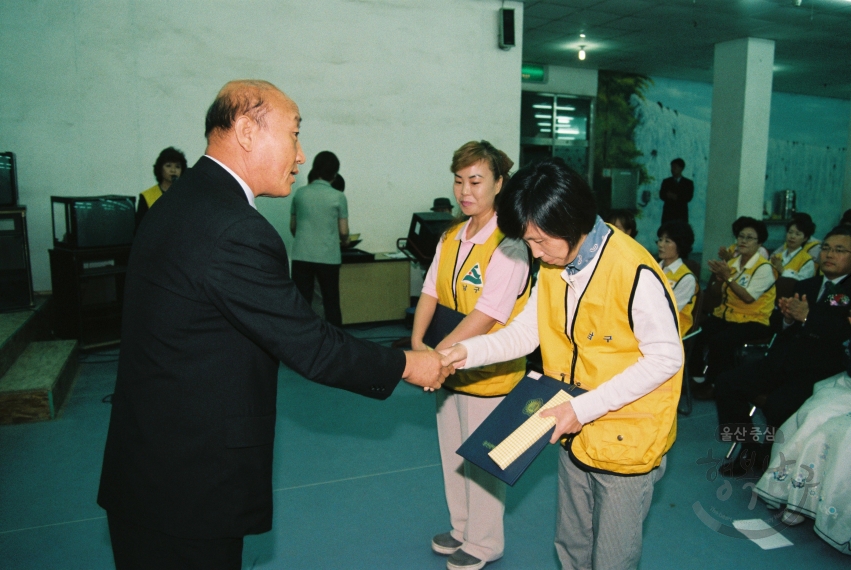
(644,123)
(618,95)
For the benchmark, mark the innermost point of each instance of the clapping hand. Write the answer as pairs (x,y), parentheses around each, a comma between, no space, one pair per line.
(724,254)
(424,368)
(794,308)
(720,269)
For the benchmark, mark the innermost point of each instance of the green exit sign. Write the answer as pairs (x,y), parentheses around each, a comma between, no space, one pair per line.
(532,73)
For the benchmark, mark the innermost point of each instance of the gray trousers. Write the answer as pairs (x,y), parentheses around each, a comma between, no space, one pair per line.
(476,499)
(600,517)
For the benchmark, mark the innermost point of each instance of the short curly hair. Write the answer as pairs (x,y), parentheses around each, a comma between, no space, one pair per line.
(169,154)
(748,222)
(680,233)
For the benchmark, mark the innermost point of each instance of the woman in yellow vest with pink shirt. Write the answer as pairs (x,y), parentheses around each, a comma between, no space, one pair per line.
(605,318)
(481,274)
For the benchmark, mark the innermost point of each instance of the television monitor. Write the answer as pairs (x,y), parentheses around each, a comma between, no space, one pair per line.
(93,221)
(8,180)
(424,234)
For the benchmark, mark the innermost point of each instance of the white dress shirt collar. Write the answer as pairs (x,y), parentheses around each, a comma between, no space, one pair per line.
(248,193)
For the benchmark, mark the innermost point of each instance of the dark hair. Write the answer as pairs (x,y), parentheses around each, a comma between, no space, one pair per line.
(169,154)
(325,166)
(679,161)
(338,183)
(748,222)
(838,231)
(846,218)
(238,98)
(550,195)
(804,223)
(627,220)
(680,233)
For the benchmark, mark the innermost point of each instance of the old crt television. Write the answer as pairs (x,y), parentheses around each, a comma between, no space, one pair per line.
(8,180)
(93,221)
(424,234)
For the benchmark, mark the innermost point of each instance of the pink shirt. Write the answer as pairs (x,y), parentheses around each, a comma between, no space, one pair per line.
(505,277)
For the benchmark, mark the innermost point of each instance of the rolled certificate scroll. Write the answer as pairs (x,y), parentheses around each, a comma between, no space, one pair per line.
(527,434)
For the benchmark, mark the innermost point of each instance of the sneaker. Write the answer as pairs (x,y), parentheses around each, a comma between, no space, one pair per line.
(460,560)
(445,544)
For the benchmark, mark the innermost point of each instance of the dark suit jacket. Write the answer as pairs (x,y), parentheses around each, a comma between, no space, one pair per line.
(814,350)
(209,311)
(676,209)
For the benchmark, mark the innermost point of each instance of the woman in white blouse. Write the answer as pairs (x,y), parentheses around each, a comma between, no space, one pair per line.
(675,241)
(793,259)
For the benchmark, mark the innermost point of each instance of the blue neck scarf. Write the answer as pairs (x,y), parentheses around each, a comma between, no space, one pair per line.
(589,248)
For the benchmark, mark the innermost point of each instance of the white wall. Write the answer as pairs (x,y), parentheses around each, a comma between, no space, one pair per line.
(92,90)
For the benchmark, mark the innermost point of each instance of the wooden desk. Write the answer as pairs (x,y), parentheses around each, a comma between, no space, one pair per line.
(377,290)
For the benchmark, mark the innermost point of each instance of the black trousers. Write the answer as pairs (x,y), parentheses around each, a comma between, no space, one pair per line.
(328,275)
(786,390)
(723,338)
(135,547)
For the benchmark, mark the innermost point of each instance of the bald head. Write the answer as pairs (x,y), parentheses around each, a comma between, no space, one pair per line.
(249,97)
(252,128)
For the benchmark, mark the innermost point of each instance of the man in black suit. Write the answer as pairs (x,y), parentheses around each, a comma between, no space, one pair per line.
(676,191)
(809,348)
(209,312)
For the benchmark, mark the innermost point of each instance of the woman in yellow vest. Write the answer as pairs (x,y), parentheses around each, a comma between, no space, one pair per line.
(604,316)
(676,239)
(170,164)
(481,274)
(731,251)
(747,300)
(792,258)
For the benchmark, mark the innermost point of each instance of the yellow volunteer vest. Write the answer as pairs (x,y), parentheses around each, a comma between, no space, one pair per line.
(601,344)
(460,292)
(686,317)
(799,260)
(810,245)
(735,310)
(152,194)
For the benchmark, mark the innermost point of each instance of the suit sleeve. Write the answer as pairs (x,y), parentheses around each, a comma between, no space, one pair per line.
(829,324)
(688,191)
(248,281)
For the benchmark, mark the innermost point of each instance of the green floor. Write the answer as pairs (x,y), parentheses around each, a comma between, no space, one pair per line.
(358,485)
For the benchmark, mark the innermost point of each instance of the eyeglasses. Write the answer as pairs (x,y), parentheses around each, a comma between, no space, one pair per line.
(837,250)
(746,238)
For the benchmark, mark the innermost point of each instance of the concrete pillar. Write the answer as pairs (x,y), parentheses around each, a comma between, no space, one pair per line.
(846,186)
(738,142)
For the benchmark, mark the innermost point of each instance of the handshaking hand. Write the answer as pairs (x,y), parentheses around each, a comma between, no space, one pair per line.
(424,368)
(454,356)
(566,422)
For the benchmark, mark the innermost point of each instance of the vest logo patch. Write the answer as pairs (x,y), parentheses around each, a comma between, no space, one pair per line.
(474,276)
(532,406)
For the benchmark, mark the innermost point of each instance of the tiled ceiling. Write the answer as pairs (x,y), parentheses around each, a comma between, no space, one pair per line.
(676,38)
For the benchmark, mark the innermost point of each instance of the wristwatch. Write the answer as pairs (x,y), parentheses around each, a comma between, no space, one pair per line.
(730,279)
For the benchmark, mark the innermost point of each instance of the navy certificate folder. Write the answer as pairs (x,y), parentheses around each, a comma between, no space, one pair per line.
(522,402)
(442,323)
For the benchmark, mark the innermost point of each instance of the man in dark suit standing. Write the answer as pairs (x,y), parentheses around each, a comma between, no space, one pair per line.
(209,312)
(676,191)
(809,348)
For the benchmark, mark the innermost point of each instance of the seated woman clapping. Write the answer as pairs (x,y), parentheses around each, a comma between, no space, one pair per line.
(792,258)
(674,244)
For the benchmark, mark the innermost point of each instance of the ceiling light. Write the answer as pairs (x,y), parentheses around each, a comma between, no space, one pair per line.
(582,53)
(581,35)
